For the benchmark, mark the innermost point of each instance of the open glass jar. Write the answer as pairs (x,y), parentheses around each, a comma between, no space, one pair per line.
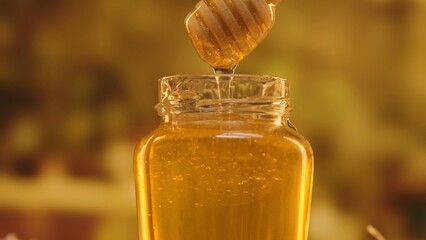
(225,163)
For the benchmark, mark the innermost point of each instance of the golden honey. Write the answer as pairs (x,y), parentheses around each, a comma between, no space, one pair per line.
(224,168)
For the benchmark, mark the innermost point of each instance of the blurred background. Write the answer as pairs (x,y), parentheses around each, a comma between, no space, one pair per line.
(78,82)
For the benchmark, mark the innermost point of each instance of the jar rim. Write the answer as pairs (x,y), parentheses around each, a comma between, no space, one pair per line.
(222,92)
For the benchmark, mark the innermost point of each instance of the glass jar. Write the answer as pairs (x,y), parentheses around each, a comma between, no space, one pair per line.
(225,163)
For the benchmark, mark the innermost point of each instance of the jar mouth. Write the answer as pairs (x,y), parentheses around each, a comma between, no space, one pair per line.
(222,93)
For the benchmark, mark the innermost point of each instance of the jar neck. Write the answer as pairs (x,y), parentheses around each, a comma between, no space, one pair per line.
(225,98)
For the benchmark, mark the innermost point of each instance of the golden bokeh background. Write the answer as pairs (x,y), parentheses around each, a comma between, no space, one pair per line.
(78,86)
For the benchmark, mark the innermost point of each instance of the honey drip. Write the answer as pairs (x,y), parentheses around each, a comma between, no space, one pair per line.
(225,70)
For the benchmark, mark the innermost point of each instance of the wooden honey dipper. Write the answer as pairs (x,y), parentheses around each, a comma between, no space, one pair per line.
(225,31)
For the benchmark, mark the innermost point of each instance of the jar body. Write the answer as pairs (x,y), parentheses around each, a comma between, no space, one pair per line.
(224,180)
(223,176)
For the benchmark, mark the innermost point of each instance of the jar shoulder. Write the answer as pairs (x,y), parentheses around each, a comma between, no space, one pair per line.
(272,135)
(150,138)
(288,135)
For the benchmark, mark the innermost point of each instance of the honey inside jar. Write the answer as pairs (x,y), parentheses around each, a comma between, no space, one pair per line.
(210,183)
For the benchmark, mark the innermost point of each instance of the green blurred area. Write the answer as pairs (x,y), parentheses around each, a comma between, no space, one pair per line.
(78,82)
